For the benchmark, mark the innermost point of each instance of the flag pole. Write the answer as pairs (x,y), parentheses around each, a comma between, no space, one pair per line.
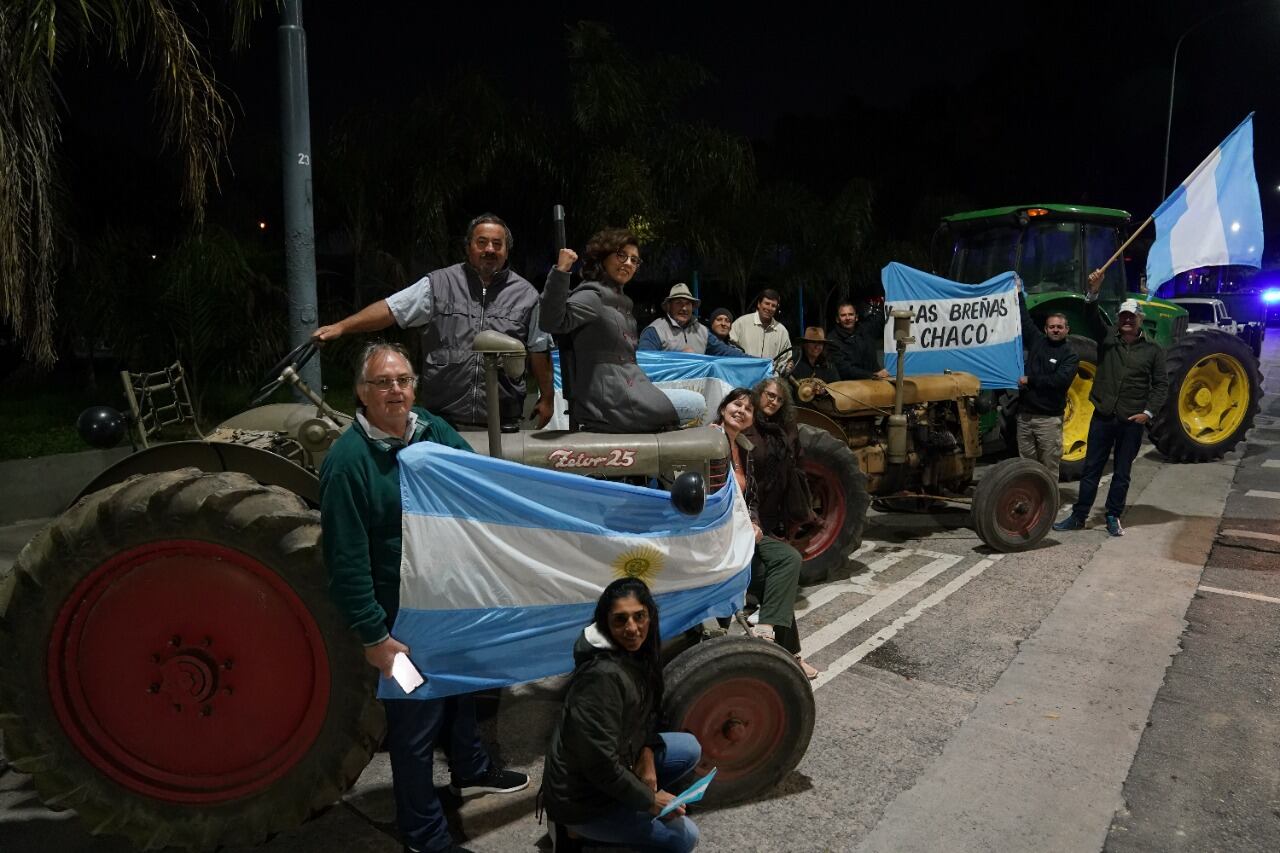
(1126,243)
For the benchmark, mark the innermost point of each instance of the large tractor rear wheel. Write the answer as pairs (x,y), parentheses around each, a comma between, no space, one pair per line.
(840,502)
(173,668)
(1079,411)
(1214,388)
(750,706)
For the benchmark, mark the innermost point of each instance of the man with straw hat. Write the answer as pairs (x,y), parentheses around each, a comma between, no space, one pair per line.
(678,330)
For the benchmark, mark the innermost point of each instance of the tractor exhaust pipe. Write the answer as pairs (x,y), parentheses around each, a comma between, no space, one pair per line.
(898,421)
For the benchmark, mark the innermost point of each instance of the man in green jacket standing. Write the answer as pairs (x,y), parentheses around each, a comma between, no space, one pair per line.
(1129,388)
(360,520)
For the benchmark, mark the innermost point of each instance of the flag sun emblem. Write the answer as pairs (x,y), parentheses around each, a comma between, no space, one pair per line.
(642,563)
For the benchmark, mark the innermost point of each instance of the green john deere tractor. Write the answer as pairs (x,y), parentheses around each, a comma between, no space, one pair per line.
(1214,383)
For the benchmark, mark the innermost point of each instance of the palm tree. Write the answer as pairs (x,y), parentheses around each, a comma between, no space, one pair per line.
(36,38)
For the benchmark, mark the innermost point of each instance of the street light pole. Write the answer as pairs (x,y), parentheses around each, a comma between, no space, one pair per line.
(295,147)
(1173,76)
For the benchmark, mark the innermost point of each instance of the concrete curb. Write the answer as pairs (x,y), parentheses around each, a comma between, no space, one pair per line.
(1041,761)
(42,487)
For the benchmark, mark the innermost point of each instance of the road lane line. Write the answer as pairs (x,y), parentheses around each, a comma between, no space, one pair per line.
(1250,534)
(865,648)
(828,634)
(1271,463)
(1262,493)
(1252,596)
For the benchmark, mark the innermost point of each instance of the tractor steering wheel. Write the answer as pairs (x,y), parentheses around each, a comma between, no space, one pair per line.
(297,357)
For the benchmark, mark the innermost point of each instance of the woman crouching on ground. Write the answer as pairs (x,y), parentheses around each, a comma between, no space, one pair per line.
(775,568)
(608,767)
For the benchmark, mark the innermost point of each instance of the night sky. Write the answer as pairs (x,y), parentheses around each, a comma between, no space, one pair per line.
(989,103)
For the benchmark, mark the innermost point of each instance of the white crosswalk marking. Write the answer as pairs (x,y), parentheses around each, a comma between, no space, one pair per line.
(842,625)
(1262,493)
(865,648)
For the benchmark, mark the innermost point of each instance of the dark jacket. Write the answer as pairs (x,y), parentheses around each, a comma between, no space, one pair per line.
(1050,369)
(1132,377)
(360,520)
(824,370)
(609,392)
(852,353)
(609,714)
(775,454)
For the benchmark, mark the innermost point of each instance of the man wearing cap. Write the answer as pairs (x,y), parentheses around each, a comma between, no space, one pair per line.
(758,333)
(679,331)
(813,363)
(1128,389)
(851,352)
(1050,369)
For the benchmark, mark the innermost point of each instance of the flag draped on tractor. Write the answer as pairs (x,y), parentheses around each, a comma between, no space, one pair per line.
(971,327)
(502,564)
(1214,217)
(710,375)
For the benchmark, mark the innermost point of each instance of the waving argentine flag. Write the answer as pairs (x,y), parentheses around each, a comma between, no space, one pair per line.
(502,564)
(711,376)
(1214,218)
(976,328)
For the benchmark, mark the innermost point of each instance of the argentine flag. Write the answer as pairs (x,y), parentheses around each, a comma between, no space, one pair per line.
(1214,218)
(975,328)
(502,564)
(711,376)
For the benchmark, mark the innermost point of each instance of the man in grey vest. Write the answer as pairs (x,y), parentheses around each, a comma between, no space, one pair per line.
(451,305)
(679,331)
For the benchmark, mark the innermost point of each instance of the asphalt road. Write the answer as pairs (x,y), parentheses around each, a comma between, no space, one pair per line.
(971,701)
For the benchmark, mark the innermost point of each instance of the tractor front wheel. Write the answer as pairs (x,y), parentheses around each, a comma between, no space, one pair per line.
(840,501)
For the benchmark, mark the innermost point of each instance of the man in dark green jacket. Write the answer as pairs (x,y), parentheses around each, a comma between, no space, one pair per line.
(360,520)
(1128,389)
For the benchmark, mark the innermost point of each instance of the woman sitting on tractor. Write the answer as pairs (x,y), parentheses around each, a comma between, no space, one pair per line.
(775,567)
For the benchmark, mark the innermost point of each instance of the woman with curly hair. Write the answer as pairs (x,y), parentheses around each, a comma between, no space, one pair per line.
(608,391)
(775,566)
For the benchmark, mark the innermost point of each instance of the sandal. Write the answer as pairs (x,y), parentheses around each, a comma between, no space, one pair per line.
(811,672)
(764,632)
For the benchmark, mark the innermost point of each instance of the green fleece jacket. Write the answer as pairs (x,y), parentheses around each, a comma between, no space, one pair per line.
(1132,377)
(360,522)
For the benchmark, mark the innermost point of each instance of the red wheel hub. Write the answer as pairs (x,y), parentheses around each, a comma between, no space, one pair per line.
(1021,507)
(830,506)
(188,672)
(740,722)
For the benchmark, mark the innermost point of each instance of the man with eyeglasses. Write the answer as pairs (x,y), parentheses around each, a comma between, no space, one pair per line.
(758,333)
(360,522)
(451,305)
(678,330)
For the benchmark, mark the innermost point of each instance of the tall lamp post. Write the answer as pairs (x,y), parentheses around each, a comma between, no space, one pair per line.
(1173,77)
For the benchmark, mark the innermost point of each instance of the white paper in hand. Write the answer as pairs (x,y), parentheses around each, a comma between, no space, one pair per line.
(405,673)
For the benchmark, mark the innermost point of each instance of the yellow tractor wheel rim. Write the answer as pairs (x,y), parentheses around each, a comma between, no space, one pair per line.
(1079,411)
(1213,399)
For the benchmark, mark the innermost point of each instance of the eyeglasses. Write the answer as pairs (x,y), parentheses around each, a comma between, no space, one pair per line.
(624,259)
(384,383)
(770,395)
(620,620)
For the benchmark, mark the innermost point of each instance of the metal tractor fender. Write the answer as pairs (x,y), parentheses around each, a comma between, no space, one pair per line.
(267,468)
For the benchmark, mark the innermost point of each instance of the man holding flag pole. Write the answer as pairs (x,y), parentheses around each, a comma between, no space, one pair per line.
(1213,218)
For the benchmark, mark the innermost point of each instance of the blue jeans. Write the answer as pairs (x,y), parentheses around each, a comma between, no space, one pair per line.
(678,755)
(1106,433)
(412,729)
(689,405)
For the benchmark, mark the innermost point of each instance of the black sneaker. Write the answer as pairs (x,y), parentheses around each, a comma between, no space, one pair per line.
(492,781)
(1070,523)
